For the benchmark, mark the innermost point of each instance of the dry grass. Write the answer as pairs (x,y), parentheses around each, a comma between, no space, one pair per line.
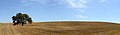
(62,28)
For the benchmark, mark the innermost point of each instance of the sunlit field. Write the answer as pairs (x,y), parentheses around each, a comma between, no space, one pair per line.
(61,28)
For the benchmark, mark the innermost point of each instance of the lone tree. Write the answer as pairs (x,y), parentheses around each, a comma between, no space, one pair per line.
(21,19)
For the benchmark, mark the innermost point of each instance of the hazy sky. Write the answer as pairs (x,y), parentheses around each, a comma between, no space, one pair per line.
(49,10)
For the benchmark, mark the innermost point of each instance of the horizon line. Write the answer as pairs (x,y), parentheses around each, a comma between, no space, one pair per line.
(72,20)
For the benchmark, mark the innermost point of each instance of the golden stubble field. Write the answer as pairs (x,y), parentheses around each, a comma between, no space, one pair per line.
(61,28)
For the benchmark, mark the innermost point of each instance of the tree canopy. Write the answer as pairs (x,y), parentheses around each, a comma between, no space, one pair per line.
(22,18)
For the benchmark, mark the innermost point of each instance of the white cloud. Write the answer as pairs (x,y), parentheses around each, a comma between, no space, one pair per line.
(41,1)
(80,4)
(81,16)
(83,1)
(103,0)
(26,2)
(32,2)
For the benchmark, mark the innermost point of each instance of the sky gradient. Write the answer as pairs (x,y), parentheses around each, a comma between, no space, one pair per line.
(57,10)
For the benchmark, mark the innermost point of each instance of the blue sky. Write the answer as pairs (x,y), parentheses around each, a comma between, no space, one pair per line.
(57,10)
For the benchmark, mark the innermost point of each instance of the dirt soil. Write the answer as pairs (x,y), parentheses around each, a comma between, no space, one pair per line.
(61,28)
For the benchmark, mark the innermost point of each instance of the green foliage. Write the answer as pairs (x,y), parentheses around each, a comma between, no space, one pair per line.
(25,15)
(18,15)
(14,18)
(21,17)
(30,20)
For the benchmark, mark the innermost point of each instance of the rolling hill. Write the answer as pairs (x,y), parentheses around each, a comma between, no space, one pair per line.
(61,28)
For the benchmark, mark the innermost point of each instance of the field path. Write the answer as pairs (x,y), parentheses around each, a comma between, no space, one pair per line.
(7,29)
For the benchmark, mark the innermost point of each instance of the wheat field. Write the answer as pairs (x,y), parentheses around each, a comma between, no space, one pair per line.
(61,28)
